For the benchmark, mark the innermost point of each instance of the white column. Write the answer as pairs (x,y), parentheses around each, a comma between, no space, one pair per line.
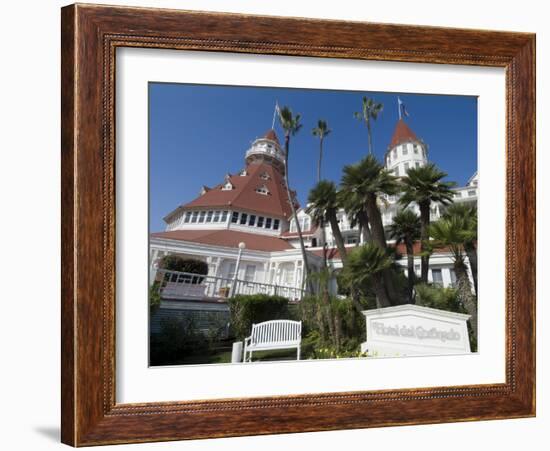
(446,276)
(153,266)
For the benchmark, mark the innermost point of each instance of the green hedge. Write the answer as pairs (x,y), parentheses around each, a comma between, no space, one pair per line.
(438,297)
(246,310)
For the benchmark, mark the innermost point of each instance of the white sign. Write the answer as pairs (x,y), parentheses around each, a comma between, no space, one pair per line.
(414,330)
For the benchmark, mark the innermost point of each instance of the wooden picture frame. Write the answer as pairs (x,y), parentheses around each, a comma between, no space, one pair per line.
(90,36)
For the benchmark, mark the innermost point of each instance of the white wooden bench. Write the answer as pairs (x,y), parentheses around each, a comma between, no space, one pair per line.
(270,335)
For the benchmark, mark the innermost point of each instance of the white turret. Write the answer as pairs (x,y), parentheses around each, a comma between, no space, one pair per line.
(405,151)
(267,149)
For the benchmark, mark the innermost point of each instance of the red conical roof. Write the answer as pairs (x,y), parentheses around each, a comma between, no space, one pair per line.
(270,134)
(402,134)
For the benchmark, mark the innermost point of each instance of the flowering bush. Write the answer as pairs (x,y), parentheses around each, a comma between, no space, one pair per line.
(331,353)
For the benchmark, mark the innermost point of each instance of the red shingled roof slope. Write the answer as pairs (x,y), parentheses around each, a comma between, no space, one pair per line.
(401,134)
(227,238)
(244,195)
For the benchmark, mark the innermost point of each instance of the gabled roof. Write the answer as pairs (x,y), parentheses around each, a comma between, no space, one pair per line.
(227,238)
(244,196)
(401,134)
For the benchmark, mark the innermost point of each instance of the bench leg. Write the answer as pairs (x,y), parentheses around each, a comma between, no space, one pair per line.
(298,354)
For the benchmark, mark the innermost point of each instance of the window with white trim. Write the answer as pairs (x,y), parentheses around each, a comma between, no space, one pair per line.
(260,221)
(453,277)
(244,217)
(251,220)
(235,217)
(293,226)
(188,216)
(224,216)
(231,271)
(249,273)
(216,216)
(437,277)
(195,216)
(209,216)
(276,223)
(268,223)
(202,216)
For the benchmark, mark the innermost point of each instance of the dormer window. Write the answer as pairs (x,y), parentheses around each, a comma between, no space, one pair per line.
(262,190)
(228,186)
(265,176)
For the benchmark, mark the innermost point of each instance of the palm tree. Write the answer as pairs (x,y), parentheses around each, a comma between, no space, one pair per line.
(322,208)
(364,268)
(322,131)
(469,213)
(291,125)
(405,228)
(356,212)
(362,183)
(449,232)
(423,186)
(370,111)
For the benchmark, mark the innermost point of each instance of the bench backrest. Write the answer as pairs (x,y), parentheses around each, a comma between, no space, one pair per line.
(277,331)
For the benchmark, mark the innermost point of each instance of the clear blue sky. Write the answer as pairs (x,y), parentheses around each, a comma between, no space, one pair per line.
(198,133)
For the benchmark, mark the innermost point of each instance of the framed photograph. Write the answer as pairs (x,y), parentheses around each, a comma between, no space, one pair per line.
(278,225)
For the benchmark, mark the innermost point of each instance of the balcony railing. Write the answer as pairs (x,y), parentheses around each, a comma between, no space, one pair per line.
(183,285)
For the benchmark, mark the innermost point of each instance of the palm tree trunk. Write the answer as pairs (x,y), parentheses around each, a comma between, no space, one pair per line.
(365,228)
(338,237)
(424,237)
(320,160)
(375,219)
(370,137)
(471,252)
(465,295)
(382,299)
(309,288)
(410,270)
(324,243)
(379,237)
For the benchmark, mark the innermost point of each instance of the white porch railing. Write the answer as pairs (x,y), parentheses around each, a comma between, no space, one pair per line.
(183,285)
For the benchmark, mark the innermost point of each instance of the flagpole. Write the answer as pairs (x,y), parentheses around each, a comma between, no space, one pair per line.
(399,107)
(274,114)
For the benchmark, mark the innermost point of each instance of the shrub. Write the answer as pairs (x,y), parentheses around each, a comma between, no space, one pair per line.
(154,296)
(178,338)
(246,310)
(180,264)
(438,297)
